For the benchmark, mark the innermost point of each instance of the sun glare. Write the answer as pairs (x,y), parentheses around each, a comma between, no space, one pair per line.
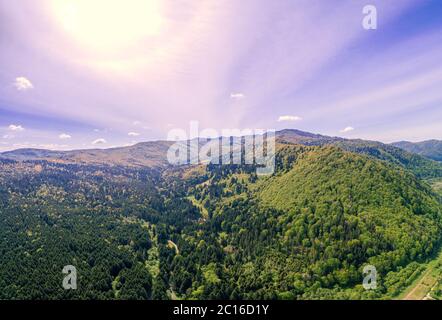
(109,24)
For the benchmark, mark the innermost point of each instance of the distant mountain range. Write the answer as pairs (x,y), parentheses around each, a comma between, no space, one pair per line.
(144,154)
(431,148)
(154,153)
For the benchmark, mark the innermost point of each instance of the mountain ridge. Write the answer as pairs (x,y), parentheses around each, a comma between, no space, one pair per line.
(431,149)
(154,153)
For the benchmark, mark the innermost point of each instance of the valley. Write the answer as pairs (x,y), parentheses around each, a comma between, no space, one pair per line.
(428,285)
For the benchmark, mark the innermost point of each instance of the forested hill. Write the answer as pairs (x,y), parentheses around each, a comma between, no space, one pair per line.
(215,232)
(313,225)
(418,164)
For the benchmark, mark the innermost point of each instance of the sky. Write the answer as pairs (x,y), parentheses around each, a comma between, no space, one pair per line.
(104,73)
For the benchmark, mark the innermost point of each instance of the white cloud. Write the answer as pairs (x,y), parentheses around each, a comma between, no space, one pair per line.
(99,141)
(136,123)
(23,84)
(133,134)
(8,136)
(15,127)
(347,129)
(289,118)
(64,136)
(237,95)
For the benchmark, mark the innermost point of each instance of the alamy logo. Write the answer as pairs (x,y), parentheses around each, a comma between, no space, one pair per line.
(370,20)
(230,146)
(70,280)
(370,280)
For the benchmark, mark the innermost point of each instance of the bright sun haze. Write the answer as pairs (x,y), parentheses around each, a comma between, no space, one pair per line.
(108,24)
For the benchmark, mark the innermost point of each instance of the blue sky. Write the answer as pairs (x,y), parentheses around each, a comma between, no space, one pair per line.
(102,73)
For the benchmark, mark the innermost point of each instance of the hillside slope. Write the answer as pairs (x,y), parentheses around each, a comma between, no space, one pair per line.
(431,148)
(418,164)
(313,225)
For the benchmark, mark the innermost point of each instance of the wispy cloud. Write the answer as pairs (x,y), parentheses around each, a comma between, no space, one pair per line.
(133,134)
(23,84)
(237,95)
(64,136)
(52,146)
(289,118)
(15,127)
(99,141)
(347,129)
